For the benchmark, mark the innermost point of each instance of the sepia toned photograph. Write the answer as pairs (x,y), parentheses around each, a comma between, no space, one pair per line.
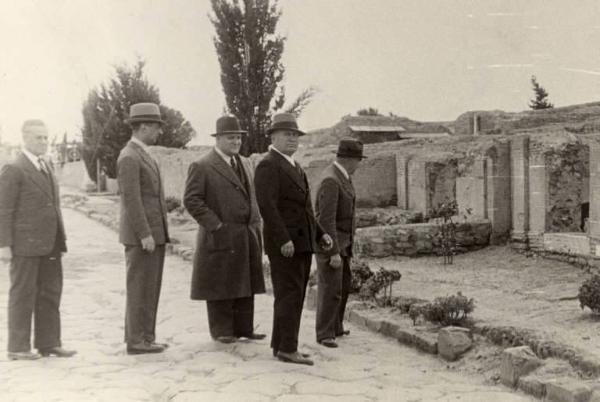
(299,200)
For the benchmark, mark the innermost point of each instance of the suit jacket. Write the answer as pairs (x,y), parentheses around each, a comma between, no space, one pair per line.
(143,208)
(335,209)
(228,261)
(30,215)
(284,200)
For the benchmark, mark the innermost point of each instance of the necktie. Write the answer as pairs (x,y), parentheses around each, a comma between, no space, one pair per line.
(235,168)
(43,167)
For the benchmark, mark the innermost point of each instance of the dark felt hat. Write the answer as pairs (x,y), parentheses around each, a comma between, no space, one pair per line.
(144,113)
(284,121)
(228,124)
(350,148)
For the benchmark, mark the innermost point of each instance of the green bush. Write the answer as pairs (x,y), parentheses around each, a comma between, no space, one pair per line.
(172,203)
(449,310)
(589,294)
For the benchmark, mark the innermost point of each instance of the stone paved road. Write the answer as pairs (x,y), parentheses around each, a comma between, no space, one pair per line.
(366,367)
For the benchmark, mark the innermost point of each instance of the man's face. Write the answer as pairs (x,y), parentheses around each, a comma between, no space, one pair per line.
(352,165)
(286,141)
(35,139)
(229,144)
(151,131)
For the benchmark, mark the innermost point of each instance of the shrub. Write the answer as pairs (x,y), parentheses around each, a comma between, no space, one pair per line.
(172,203)
(589,294)
(445,239)
(360,274)
(449,310)
(381,280)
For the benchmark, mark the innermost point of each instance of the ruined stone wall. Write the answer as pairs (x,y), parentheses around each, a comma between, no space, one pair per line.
(566,171)
(174,164)
(441,182)
(416,238)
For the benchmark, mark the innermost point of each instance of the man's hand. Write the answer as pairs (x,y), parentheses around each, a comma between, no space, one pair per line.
(148,244)
(287,250)
(336,261)
(326,242)
(5,254)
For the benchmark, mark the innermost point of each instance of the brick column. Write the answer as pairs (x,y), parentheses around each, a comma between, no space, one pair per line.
(498,192)
(594,219)
(402,181)
(538,185)
(519,158)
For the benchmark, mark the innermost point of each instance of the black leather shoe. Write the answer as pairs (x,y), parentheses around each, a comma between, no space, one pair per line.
(254,336)
(329,342)
(306,355)
(294,357)
(58,352)
(144,347)
(23,356)
(226,339)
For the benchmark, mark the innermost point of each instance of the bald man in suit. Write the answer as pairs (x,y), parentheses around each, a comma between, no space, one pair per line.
(32,238)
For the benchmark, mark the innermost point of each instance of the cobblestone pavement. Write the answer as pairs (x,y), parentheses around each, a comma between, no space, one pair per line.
(366,367)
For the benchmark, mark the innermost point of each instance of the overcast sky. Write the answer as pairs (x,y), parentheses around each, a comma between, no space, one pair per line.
(425,59)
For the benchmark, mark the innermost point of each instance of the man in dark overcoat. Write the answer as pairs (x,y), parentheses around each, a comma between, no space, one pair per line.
(32,238)
(335,210)
(291,233)
(143,228)
(220,196)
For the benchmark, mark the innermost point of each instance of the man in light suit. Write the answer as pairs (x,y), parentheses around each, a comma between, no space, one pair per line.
(32,238)
(219,194)
(291,233)
(335,210)
(143,228)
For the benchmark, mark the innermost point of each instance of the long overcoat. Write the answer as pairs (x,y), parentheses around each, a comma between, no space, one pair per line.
(227,261)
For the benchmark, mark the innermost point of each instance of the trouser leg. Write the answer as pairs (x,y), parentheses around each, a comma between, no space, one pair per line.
(220,317)
(329,297)
(47,305)
(346,282)
(289,276)
(154,280)
(243,316)
(21,301)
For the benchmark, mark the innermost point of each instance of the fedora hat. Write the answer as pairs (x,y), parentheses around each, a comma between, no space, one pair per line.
(228,124)
(144,113)
(350,148)
(284,121)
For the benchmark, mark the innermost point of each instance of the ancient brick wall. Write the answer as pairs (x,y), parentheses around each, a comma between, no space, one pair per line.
(566,171)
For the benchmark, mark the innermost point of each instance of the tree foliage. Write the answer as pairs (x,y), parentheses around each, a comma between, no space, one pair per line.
(104,130)
(249,51)
(540,101)
(370,111)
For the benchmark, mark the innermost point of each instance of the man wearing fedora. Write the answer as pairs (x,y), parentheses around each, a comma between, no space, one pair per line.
(32,239)
(335,210)
(220,196)
(291,233)
(143,228)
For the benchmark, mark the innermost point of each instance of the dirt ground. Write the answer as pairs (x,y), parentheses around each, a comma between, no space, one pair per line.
(509,289)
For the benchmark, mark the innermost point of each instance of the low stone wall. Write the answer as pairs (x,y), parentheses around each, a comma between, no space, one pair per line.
(367,217)
(416,238)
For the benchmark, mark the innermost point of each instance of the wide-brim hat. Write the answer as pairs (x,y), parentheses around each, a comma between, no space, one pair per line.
(144,113)
(350,148)
(228,125)
(284,121)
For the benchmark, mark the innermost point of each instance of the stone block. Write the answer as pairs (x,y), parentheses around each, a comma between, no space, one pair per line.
(389,328)
(533,386)
(422,340)
(373,324)
(453,342)
(567,391)
(517,362)
(357,318)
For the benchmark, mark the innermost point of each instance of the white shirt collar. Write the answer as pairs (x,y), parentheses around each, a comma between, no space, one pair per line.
(223,156)
(139,142)
(34,159)
(341,169)
(287,157)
